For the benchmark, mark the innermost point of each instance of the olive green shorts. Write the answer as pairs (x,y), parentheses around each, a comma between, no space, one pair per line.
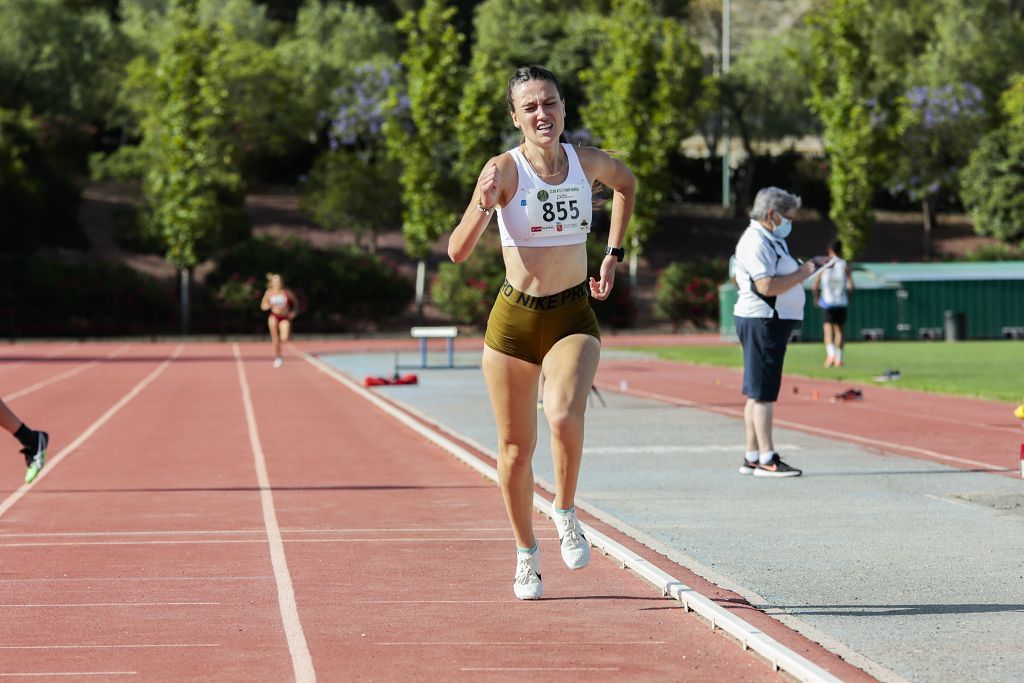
(526,327)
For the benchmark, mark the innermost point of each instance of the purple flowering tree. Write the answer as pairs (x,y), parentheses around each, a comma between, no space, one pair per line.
(353,185)
(938,126)
(356,120)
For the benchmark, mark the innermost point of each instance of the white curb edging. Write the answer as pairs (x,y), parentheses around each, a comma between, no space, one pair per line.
(780,656)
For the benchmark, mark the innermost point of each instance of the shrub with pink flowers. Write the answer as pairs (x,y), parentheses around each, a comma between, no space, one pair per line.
(688,292)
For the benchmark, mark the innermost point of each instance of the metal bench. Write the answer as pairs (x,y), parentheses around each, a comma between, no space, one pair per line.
(447,333)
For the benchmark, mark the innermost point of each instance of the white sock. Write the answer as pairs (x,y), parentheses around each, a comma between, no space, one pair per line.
(839,355)
(752,456)
(767,457)
(831,348)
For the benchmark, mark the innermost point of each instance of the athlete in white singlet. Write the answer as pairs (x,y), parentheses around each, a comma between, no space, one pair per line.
(541,318)
(831,291)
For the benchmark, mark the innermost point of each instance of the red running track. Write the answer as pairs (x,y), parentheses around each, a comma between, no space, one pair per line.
(960,432)
(206,517)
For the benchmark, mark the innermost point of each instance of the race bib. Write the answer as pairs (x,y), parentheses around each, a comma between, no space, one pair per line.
(563,210)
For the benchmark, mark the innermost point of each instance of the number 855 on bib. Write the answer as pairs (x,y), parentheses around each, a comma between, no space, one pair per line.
(564,210)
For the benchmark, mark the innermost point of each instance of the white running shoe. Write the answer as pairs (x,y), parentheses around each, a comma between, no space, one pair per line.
(575,547)
(278,362)
(528,585)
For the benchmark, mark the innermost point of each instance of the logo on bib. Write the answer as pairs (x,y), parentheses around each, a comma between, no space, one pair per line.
(542,195)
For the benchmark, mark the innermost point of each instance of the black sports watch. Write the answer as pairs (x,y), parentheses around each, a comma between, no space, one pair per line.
(617,252)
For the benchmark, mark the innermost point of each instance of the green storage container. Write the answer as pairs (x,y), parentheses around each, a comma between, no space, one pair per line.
(911,301)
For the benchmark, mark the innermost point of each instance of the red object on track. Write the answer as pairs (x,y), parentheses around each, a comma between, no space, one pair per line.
(385,381)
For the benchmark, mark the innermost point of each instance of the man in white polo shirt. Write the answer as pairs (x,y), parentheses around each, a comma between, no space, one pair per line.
(770,304)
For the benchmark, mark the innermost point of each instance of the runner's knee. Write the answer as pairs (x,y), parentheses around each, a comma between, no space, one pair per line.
(517,456)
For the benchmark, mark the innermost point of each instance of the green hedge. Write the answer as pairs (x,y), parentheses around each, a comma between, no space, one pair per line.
(338,289)
(50,298)
(688,292)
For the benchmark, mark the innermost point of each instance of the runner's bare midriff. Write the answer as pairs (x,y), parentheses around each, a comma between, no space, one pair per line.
(540,271)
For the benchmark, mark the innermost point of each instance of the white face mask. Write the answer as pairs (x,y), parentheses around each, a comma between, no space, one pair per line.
(783,229)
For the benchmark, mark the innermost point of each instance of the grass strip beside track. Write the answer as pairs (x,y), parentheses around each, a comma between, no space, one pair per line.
(978,369)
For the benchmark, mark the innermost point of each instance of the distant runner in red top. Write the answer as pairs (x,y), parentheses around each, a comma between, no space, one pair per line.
(281,303)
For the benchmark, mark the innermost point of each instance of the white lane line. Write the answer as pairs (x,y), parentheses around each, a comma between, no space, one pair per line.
(62,376)
(431,539)
(111,604)
(84,436)
(653,449)
(19,363)
(870,407)
(227,532)
(93,534)
(140,646)
(430,602)
(539,668)
(845,436)
(961,503)
(135,578)
(780,656)
(302,662)
(527,643)
(73,673)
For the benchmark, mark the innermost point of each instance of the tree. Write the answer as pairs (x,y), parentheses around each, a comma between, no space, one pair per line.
(353,185)
(191,185)
(643,63)
(503,42)
(765,96)
(329,42)
(266,124)
(992,183)
(950,98)
(347,192)
(425,143)
(58,61)
(38,204)
(840,76)
(938,126)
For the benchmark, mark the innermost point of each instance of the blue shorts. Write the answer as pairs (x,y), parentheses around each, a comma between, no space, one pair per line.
(764,343)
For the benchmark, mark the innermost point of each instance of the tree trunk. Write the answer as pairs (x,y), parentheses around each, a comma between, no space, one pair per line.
(928,214)
(186,304)
(421,283)
(745,192)
(634,262)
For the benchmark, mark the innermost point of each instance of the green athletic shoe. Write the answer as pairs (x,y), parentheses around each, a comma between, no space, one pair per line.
(34,460)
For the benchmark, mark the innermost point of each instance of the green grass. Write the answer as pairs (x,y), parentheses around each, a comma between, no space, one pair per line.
(981,369)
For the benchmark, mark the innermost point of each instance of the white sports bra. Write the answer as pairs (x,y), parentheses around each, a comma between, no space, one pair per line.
(545,215)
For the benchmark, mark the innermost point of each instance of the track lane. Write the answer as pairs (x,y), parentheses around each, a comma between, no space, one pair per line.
(960,432)
(419,581)
(147,595)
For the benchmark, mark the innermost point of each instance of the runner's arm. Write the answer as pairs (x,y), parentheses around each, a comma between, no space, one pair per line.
(492,188)
(609,171)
